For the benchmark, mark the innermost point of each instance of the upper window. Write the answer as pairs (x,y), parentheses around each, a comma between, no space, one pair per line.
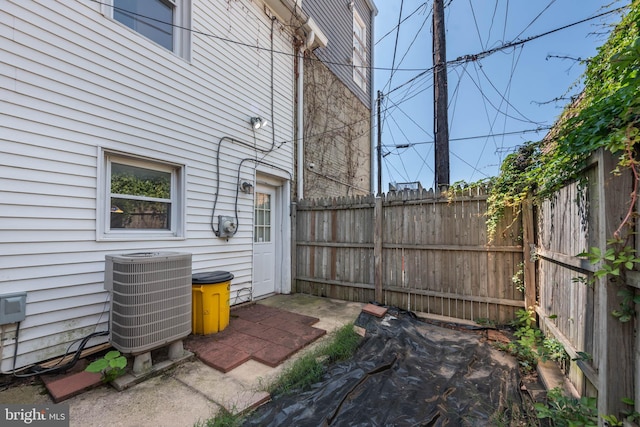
(359,51)
(142,198)
(166,22)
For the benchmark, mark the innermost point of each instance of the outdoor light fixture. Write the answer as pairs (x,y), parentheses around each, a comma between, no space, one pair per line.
(258,122)
(246,187)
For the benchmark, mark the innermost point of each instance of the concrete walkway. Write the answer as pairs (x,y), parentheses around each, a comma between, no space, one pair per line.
(191,392)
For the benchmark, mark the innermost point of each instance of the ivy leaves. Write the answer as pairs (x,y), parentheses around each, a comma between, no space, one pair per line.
(606,115)
(617,259)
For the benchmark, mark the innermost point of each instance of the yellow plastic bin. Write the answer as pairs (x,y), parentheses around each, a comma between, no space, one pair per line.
(210,297)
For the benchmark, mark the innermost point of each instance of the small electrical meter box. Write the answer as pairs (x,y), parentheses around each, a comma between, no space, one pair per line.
(13,308)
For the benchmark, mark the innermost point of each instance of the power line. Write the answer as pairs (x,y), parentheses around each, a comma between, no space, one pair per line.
(461,59)
(394,28)
(243,44)
(468,164)
(475,57)
(486,98)
(475,21)
(536,18)
(480,55)
(466,138)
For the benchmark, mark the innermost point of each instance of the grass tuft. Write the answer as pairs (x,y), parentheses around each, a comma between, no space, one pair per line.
(309,369)
(304,372)
(223,418)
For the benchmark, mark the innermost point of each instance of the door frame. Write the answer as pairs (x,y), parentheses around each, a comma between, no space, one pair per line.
(281,228)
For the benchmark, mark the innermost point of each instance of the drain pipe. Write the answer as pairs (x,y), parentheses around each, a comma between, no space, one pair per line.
(300,113)
(372,120)
(300,122)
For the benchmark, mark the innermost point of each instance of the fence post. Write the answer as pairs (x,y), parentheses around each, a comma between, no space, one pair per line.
(294,247)
(528,246)
(615,367)
(377,249)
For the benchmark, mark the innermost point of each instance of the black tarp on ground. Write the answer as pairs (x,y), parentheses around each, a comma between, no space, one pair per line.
(406,373)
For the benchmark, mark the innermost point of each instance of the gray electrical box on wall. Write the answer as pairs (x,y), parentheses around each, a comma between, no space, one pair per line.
(227,226)
(12,308)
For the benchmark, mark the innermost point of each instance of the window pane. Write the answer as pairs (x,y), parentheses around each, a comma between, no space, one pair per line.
(151,18)
(262,218)
(138,214)
(135,181)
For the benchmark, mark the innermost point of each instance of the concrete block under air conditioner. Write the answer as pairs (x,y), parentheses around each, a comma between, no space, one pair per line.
(13,308)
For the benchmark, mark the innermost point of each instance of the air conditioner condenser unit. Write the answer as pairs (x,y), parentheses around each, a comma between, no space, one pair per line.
(150,299)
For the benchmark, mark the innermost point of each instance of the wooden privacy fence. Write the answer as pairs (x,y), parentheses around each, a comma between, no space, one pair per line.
(416,250)
(573,305)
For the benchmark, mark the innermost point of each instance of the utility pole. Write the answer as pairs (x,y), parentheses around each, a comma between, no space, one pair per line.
(379,146)
(440,97)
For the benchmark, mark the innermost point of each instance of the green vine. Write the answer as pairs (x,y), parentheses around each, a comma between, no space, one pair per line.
(606,115)
(531,344)
(565,411)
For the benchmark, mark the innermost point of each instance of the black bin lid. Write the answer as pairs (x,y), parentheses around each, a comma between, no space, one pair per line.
(211,277)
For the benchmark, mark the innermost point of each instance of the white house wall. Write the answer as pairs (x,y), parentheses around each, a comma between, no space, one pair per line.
(73,82)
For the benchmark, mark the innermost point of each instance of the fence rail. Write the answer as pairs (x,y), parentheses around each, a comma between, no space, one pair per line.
(416,250)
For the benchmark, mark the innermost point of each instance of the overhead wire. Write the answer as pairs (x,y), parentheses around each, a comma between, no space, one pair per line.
(393,60)
(480,55)
(486,111)
(395,46)
(475,21)
(415,37)
(515,60)
(412,120)
(484,54)
(507,90)
(394,28)
(454,97)
(468,57)
(485,97)
(536,18)
(467,138)
(493,19)
(421,71)
(467,163)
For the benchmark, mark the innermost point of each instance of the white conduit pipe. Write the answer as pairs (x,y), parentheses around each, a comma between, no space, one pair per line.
(300,113)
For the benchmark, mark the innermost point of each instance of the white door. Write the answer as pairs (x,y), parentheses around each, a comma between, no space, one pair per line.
(264,241)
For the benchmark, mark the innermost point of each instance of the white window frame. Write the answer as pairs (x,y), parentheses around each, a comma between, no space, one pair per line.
(359,51)
(177,224)
(181,22)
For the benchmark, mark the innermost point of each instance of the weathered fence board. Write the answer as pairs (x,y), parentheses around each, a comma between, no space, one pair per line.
(573,305)
(430,254)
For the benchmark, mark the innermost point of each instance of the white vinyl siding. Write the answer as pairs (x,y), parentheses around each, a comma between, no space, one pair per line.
(74,82)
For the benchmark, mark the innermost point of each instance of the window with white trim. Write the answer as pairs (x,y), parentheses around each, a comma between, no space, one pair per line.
(359,51)
(142,198)
(166,22)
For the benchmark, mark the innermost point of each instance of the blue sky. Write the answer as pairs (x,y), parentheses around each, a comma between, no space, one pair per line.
(507,92)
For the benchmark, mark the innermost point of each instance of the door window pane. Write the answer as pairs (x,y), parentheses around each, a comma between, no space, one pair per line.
(262,218)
